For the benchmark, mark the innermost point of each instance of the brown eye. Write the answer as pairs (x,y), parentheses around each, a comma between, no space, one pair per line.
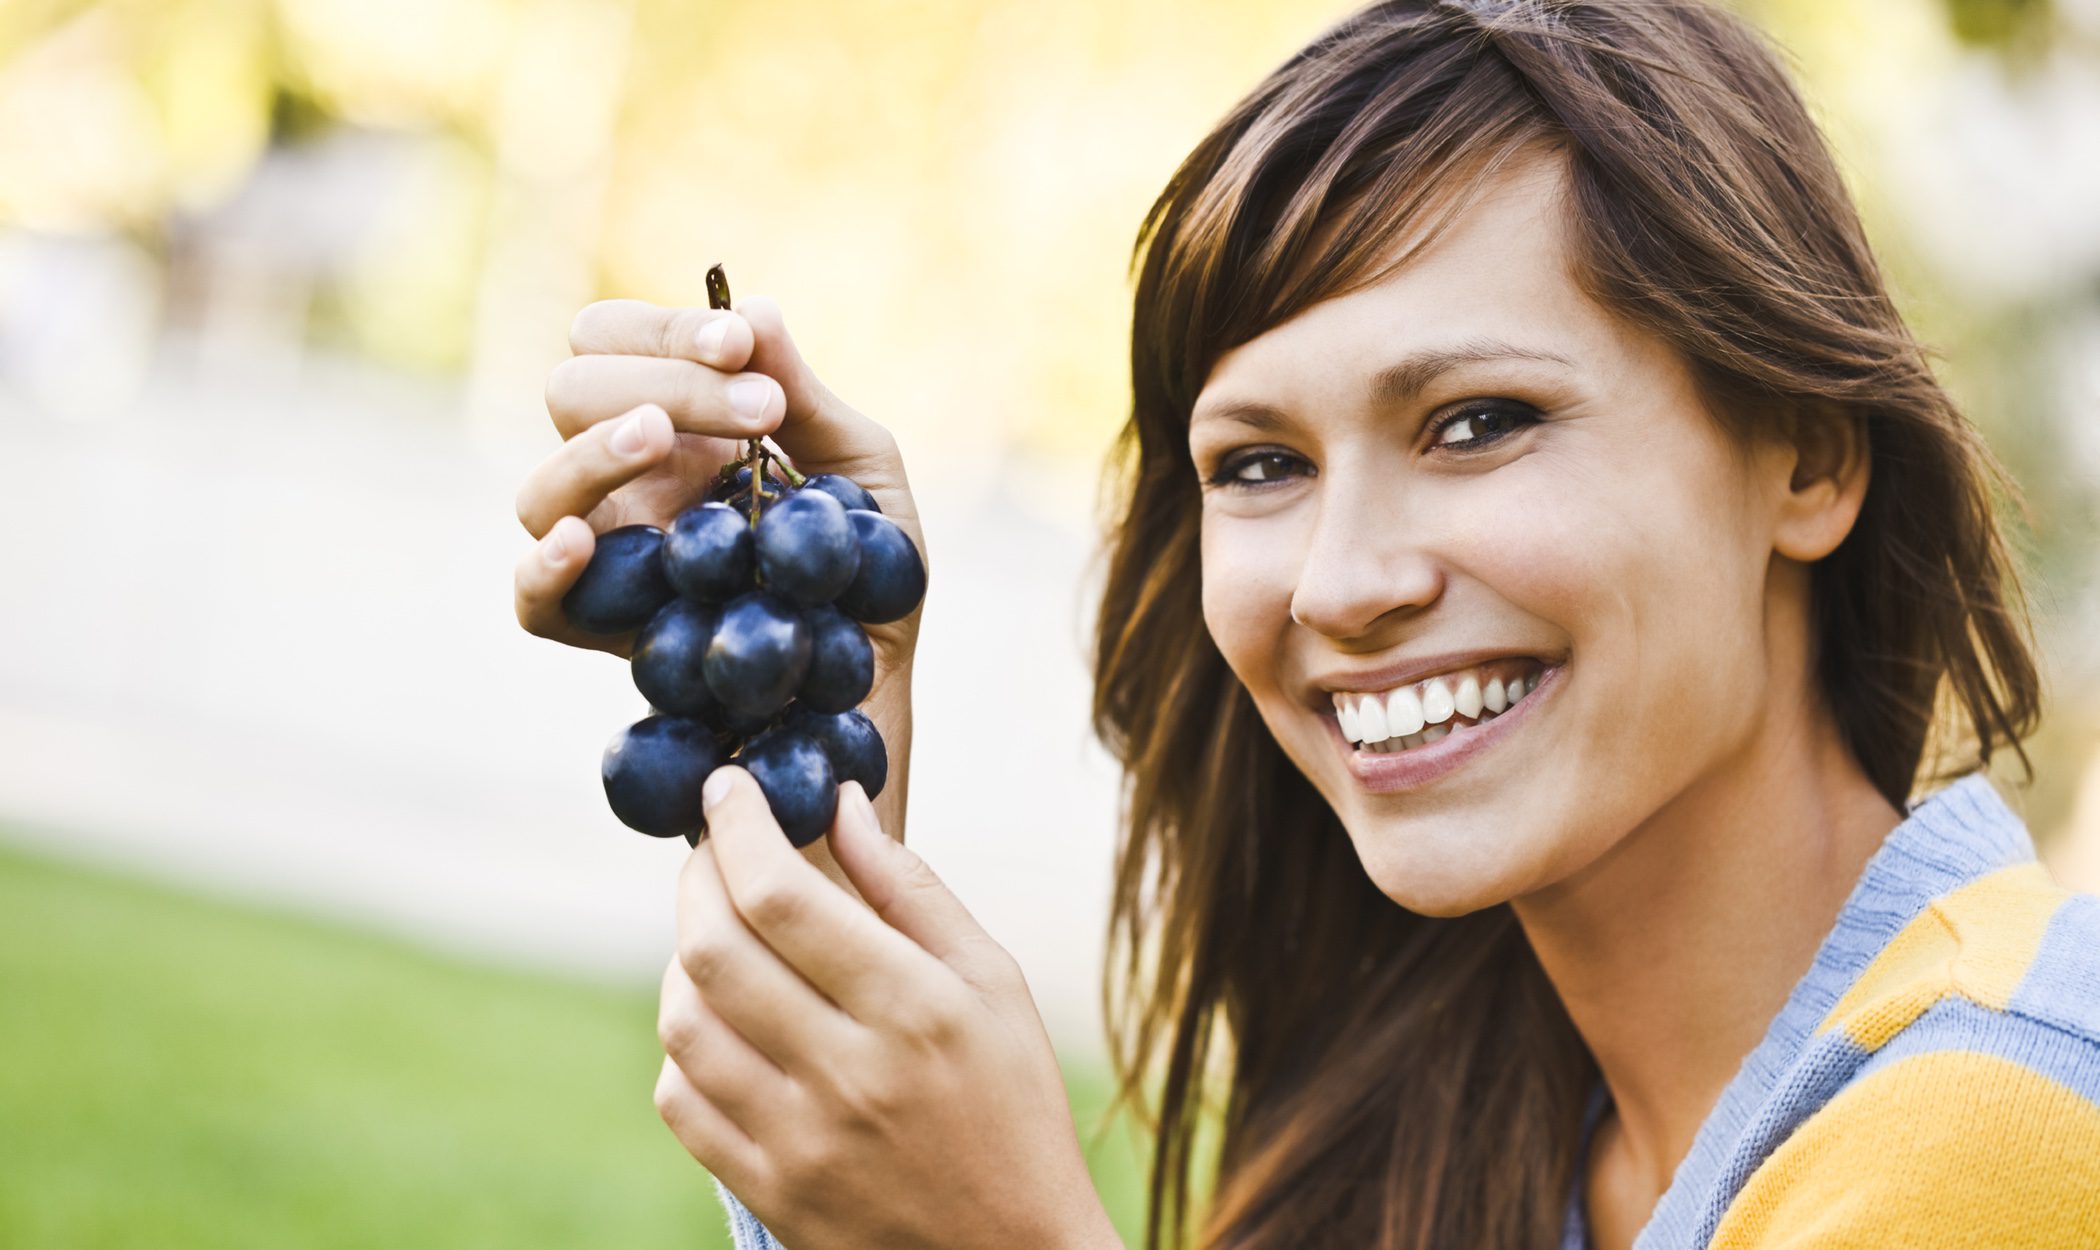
(1264,468)
(1256,469)
(1481,424)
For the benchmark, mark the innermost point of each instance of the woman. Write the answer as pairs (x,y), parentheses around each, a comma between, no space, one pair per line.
(1545,551)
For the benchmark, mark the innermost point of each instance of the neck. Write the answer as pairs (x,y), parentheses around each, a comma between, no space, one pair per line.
(1673,952)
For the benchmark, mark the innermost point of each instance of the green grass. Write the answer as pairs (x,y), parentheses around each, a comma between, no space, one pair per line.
(177,1072)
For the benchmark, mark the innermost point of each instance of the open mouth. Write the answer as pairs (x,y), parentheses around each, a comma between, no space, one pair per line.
(1396,721)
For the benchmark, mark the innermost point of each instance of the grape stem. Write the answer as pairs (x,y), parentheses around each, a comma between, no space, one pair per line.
(756,454)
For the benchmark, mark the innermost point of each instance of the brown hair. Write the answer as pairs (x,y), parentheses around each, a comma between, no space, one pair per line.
(1397,1080)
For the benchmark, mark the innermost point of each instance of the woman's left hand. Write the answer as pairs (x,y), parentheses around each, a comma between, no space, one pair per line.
(860,1076)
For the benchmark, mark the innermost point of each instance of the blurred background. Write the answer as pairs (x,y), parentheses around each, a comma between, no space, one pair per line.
(314,927)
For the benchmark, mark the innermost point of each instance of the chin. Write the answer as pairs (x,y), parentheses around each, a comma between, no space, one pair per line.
(1421,869)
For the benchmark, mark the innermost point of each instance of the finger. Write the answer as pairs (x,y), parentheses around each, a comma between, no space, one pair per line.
(585,390)
(819,431)
(842,948)
(734,1076)
(713,1140)
(545,573)
(763,999)
(594,464)
(632,327)
(906,893)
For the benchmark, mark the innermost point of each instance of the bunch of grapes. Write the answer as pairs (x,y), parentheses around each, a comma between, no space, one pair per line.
(751,649)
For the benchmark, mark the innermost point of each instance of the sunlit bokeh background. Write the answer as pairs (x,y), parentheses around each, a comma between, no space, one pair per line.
(314,929)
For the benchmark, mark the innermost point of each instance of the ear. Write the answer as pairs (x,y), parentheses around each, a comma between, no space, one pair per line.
(1820,473)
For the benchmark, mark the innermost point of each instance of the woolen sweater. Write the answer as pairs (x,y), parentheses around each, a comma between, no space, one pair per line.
(1932,1081)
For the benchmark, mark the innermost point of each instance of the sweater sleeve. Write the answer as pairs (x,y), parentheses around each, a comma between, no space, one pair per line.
(1941,1149)
(744,1229)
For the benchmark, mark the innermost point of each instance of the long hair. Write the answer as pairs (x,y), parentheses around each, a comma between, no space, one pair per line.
(1375,1077)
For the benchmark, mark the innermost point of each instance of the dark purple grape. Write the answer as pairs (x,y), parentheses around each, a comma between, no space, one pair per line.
(795,774)
(623,585)
(759,655)
(707,553)
(852,744)
(891,579)
(844,489)
(806,549)
(841,661)
(653,771)
(742,725)
(667,661)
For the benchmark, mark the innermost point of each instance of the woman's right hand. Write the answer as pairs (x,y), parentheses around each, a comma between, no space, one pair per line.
(653,402)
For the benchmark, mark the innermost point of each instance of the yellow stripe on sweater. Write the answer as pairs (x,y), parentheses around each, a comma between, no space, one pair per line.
(1944,1149)
(1977,941)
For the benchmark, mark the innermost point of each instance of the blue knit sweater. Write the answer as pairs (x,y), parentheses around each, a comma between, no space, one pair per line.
(1934,1078)
(1932,1081)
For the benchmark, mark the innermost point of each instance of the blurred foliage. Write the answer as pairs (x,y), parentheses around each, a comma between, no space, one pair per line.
(958,166)
(1996,23)
(996,163)
(247,1079)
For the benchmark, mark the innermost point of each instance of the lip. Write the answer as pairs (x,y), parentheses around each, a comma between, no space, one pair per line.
(1397,771)
(1408,672)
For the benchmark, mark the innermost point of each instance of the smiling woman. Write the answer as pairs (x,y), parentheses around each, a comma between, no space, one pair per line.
(1473,506)
(1548,572)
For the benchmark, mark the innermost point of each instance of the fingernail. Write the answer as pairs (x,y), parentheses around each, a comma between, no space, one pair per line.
(717,788)
(750,397)
(554,549)
(628,439)
(709,339)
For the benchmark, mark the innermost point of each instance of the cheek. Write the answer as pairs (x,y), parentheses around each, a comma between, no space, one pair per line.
(1649,566)
(1604,544)
(1249,568)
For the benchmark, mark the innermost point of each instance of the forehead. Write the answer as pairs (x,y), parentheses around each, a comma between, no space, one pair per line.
(1499,272)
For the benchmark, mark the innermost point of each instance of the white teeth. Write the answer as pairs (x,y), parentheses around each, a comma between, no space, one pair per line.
(1370,719)
(1436,701)
(1467,700)
(1412,716)
(1403,711)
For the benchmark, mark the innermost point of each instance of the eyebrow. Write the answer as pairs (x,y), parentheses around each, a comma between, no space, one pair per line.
(1398,382)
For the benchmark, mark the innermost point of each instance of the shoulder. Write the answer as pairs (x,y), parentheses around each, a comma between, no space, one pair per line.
(1973,1115)
(1943,1147)
(2012,940)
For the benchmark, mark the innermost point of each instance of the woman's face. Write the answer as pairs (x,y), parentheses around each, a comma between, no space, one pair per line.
(1470,475)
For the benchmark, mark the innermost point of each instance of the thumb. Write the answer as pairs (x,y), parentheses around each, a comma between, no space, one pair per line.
(904,890)
(819,432)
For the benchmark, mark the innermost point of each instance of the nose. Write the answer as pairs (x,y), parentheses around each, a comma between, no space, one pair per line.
(1368,556)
